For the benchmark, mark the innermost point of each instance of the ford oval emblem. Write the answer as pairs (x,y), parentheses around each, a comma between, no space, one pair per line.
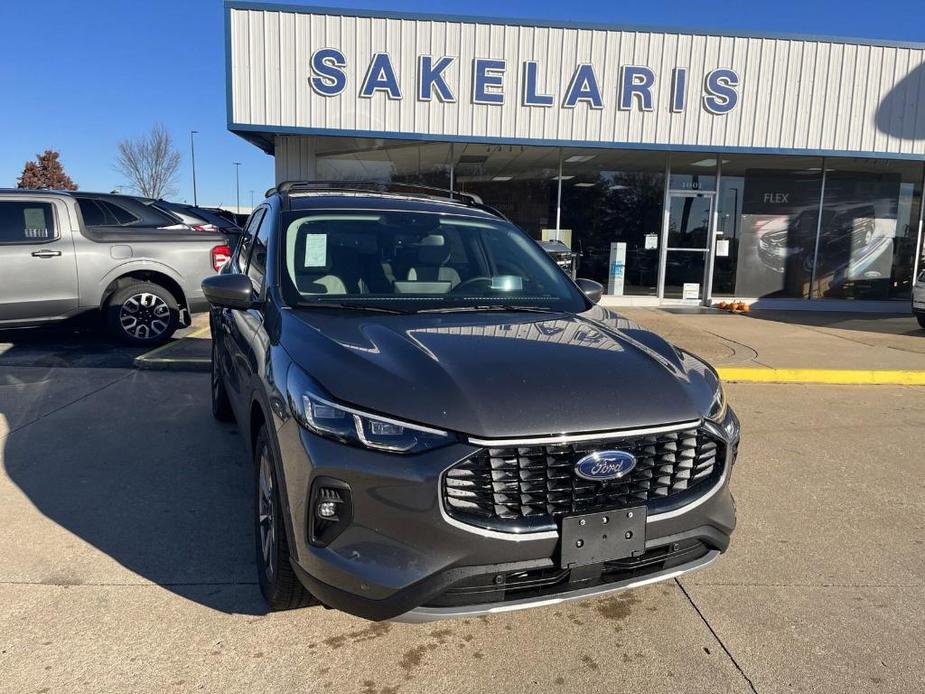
(605,465)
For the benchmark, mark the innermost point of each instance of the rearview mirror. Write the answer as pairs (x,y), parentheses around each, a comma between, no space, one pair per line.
(229,291)
(591,289)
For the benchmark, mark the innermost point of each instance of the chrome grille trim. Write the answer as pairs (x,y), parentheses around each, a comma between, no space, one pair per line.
(571,438)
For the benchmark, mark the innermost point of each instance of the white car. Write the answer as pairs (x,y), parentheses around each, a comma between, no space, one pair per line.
(918,299)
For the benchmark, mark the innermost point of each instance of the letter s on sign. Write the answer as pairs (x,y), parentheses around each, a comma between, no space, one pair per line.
(329,78)
(721,94)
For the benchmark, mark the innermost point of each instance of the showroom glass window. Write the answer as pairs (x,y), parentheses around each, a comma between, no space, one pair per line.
(693,172)
(521,182)
(768,211)
(869,228)
(384,161)
(612,197)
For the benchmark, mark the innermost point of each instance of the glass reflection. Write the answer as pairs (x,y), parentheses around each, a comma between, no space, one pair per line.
(521,182)
(768,214)
(867,236)
(612,197)
(383,161)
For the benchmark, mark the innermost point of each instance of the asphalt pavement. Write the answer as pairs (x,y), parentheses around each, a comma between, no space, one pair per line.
(126,561)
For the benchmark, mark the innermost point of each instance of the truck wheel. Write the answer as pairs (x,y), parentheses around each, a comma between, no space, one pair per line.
(278,582)
(920,317)
(142,313)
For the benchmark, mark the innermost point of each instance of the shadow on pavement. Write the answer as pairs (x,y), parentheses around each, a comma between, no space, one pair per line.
(132,463)
(72,344)
(885,323)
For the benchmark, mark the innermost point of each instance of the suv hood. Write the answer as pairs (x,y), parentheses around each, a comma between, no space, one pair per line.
(501,374)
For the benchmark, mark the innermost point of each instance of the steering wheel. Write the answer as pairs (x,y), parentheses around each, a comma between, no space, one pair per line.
(469,283)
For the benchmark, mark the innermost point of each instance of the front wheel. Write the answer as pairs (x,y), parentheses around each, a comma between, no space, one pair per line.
(278,581)
(920,317)
(142,313)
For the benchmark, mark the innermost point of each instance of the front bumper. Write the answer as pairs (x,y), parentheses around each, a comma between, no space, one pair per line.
(402,557)
(429,614)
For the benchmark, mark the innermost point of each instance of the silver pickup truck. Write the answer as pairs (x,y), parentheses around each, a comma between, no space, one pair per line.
(65,254)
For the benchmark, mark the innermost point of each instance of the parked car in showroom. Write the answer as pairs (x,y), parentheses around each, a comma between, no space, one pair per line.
(472,434)
(64,254)
(562,255)
(918,299)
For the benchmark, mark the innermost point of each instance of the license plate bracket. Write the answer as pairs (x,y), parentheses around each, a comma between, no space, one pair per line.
(593,538)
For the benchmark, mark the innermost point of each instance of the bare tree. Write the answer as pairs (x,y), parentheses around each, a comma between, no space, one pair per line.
(150,162)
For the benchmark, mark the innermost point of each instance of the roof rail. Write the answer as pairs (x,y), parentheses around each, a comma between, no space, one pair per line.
(289,187)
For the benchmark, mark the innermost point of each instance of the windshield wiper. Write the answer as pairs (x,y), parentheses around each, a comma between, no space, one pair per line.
(349,307)
(512,308)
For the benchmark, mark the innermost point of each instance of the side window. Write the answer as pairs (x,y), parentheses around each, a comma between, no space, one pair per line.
(91,212)
(26,222)
(248,237)
(119,215)
(257,266)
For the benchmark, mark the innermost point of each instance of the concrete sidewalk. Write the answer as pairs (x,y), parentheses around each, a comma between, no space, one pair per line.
(799,346)
(795,340)
(126,564)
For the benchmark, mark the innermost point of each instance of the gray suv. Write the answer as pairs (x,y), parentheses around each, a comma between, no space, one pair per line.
(64,254)
(444,424)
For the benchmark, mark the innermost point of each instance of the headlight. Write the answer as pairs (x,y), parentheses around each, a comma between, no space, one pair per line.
(718,406)
(320,413)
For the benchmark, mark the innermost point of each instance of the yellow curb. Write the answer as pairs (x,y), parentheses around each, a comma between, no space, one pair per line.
(170,364)
(148,360)
(832,376)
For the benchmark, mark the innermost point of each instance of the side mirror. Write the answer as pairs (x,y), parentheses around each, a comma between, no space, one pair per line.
(591,289)
(229,291)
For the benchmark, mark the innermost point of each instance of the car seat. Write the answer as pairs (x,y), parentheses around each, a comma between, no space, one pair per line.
(320,279)
(430,266)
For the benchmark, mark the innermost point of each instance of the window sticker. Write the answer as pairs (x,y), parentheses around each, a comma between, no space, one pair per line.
(35,225)
(316,250)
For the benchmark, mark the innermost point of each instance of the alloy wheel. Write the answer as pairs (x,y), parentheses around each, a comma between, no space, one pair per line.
(266,510)
(144,316)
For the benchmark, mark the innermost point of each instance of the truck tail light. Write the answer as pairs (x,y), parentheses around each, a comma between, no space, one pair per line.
(220,256)
(205,227)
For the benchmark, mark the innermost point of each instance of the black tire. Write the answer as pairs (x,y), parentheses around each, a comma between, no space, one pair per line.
(920,317)
(221,405)
(142,314)
(278,582)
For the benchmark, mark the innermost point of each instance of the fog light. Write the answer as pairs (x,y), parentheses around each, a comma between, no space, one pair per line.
(327,509)
(331,510)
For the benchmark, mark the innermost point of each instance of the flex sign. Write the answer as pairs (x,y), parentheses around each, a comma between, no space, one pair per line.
(492,83)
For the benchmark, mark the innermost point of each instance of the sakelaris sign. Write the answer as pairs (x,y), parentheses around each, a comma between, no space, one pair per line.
(490,83)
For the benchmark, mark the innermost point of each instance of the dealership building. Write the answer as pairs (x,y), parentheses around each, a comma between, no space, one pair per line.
(684,167)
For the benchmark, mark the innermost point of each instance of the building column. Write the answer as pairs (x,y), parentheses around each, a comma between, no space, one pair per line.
(295,158)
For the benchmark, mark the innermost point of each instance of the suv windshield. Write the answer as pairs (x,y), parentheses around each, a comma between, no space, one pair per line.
(414,261)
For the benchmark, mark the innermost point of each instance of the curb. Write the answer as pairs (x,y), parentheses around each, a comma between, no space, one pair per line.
(827,376)
(156,359)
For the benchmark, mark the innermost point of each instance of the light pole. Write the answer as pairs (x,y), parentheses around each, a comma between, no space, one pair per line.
(237,184)
(252,201)
(192,149)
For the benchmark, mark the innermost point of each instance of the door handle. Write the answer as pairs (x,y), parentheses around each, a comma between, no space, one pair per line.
(45,253)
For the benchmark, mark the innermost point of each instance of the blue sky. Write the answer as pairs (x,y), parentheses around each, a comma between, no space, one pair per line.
(78,76)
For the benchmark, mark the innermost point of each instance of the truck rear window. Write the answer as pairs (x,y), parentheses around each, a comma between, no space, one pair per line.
(26,222)
(98,213)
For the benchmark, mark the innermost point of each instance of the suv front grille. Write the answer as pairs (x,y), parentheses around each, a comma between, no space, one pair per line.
(522,488)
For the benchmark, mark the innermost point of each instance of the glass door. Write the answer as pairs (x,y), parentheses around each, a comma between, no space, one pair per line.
(687,245)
